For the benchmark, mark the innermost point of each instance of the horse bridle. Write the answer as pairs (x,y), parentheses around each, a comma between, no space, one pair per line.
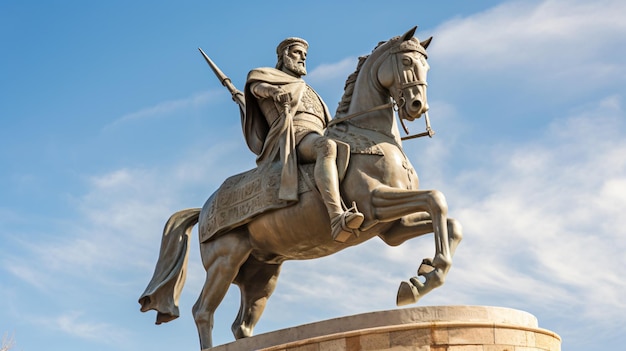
(404,84)
(396,105)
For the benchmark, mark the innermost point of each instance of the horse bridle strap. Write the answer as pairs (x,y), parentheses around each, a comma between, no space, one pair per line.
(429,131)
(357,114)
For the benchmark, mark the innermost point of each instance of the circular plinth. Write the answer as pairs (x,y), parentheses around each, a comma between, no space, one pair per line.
(439,328)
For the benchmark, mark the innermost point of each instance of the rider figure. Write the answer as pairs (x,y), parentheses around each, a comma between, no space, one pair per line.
(285,120)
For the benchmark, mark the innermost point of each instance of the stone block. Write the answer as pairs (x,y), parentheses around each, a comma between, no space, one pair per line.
(515,337)
(465,348)
(498,347)
(547,342)
(470,336)
(333,345)
(410,337)
(410,348)
(308,347)
(378,341)
(439,336)
(353,343)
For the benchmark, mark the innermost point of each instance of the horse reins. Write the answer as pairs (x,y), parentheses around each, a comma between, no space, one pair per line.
(357,114)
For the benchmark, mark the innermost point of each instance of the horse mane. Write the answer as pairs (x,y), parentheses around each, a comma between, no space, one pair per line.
(348,89)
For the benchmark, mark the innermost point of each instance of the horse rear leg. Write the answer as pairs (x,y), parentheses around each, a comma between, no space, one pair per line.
(222,257)
(257,281)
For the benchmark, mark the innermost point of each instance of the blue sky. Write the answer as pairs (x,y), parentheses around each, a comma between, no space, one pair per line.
(111,121)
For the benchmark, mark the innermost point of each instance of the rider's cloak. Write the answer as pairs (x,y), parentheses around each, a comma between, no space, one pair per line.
(270,142)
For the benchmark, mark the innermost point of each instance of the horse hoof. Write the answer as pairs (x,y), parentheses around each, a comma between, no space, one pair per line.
(425,268)
(407,294)
(241,332)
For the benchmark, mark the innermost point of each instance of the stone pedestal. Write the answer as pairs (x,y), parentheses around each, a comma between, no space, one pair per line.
(439,328)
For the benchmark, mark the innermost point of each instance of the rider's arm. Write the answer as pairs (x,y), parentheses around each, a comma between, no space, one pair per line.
(265,90)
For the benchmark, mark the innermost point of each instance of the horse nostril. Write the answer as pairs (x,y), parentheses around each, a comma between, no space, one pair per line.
(416,105)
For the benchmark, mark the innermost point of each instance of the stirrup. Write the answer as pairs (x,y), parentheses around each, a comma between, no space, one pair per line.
(345,225)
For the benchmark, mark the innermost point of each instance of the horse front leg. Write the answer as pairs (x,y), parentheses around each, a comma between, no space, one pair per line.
(409,227)
(391,204)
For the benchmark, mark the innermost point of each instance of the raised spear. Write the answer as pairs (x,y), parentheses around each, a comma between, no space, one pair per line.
(236,94)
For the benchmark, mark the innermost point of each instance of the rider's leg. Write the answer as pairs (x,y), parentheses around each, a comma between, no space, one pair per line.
(324,152)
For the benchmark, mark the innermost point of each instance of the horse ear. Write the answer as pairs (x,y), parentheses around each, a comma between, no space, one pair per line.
(426,42)
(408,35)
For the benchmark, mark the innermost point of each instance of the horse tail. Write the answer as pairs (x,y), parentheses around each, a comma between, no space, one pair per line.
(167,282)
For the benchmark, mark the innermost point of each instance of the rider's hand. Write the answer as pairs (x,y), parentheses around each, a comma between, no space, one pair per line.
(281,96)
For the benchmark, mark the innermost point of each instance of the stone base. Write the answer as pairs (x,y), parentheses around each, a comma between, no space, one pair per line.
(439,328)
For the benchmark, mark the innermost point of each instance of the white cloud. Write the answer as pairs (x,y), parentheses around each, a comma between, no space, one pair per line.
(578,41)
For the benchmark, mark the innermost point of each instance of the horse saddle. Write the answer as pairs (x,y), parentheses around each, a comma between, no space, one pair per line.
(243,196)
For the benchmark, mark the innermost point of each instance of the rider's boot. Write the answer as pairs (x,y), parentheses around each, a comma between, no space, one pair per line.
(343,226)
(342,223)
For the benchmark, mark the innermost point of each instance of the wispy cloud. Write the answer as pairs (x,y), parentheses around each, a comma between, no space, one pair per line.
(75,324)
(328,79)
(168,107)
(332,71)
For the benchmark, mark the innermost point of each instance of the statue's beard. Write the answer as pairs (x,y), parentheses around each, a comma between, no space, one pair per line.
(293,66)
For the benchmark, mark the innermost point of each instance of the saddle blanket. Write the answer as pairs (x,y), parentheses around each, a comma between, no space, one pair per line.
(246,195)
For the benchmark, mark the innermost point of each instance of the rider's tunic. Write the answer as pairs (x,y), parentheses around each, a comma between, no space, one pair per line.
(309,118)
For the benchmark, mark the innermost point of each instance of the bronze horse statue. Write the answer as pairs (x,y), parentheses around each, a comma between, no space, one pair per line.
(379,178)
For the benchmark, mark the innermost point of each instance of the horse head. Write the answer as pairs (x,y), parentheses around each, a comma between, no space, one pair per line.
(402,72)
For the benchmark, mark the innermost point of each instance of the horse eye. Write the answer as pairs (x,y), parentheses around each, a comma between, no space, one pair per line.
(407,61)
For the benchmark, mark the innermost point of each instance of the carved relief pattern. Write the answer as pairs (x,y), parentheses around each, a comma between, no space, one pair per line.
(245,195)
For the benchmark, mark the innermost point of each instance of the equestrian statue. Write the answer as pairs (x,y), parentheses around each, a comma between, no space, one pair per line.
(321,185)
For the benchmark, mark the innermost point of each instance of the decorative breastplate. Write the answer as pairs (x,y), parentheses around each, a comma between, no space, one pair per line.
(311,103)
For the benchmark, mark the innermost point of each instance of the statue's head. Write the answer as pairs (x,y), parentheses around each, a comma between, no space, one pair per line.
(291,54)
